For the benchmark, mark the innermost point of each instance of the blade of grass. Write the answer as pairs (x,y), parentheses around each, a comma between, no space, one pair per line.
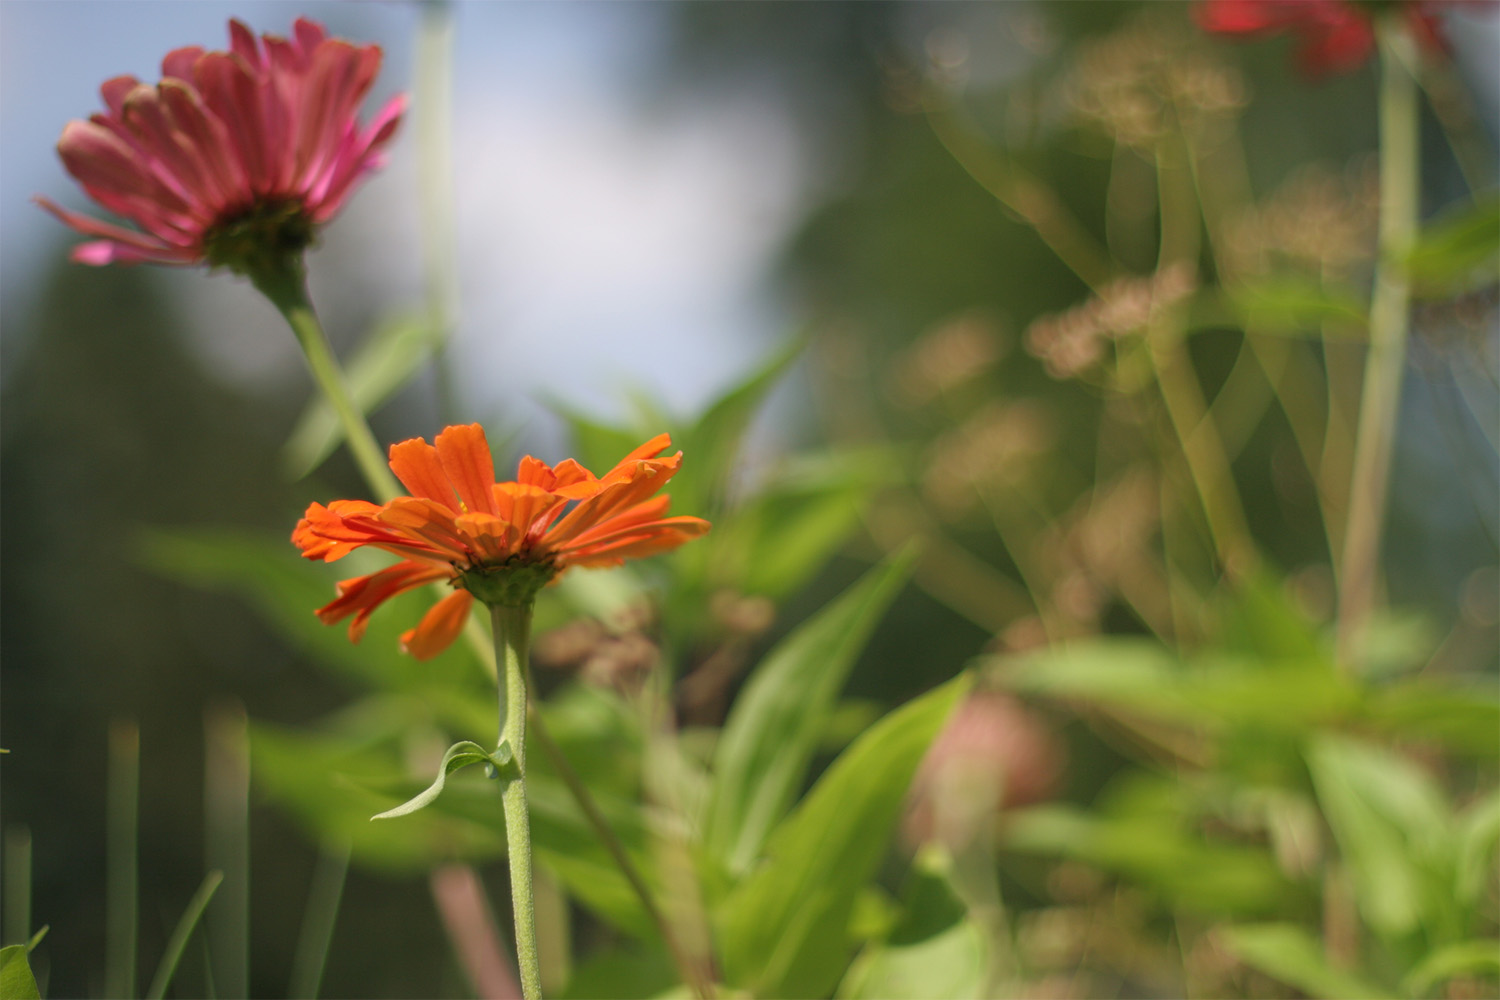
(17,884)
(318,920)
(122,874)
(226,805)
(180,935)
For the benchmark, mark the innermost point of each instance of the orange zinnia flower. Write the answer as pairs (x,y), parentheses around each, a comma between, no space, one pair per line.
(499,542)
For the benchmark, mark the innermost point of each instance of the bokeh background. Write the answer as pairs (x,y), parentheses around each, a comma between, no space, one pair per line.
(647,198)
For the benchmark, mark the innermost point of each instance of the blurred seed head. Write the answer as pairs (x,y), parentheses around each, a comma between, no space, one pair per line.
(1318,218)
(946,357)
(1149,77)
(1071,342)
(992,448)
(994,754)
(742,615)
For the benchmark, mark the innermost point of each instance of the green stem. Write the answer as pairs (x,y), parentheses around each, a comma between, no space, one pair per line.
(512,640)
(1380,398)
(285,284)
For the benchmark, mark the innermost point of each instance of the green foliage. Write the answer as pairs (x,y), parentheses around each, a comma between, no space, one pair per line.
(781,931)
(16,980)
(1288,953)
(771,735)
(1459,252)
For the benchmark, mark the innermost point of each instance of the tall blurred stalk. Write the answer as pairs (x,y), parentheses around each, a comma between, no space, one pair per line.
(434,125)
(226,802)
(318,920)
(17,871)
(122,871)
(1385,364)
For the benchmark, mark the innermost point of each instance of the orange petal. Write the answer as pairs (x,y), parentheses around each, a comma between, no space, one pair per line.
(466,459)
(363,594)
(644,479)
(491,538)
(647,541)
(648,510)
(439,626)
(650,449)
(425,521)
(524,505)
(416,464)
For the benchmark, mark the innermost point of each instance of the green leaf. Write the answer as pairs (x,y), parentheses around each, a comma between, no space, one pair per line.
(388,357)
(773,731)
(286,589)
(1457,253)
(784,930)
(1390,822)
(459,756)
(180,935)
(713,442)
(332,780)
(1295,304)
(777,539)
(1478,834)
(1286,952)
(16,980)
(1151,848)
(1450,961)
(1460,716)
(949,965)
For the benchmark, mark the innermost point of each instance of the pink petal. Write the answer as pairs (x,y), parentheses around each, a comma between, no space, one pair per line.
(178,64)
(114,90)
(243,44)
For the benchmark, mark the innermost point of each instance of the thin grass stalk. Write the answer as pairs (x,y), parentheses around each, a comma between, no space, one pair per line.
(318,921)
(177,943)
(1380,399)
(122,860)
(226,803)
(17,865)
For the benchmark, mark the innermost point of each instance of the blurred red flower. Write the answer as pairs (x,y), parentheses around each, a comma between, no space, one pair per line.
(232,155)
(1336,36)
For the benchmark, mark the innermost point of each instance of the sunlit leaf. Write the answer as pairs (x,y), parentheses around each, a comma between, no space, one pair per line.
(1478,834)
(16,980)
(392,353)
(774,729)
(784,930)
(1288,953)
(949,965)
(1389,819)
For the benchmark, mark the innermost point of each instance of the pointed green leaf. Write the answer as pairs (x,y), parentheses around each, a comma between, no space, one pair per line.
(773,731)
(1460,959)
(459,756)
(1478,834)
(1391,822)
(180,935)
(1286,952)
(1458,252)
(16,980)
(388,357)
(784,930)
(949,965)
(1299,305)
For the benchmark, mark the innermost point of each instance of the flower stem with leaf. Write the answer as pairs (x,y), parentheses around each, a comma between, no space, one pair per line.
(512,642)
(284,282)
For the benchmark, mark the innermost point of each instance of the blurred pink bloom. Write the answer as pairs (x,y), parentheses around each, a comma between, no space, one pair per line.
(233,155)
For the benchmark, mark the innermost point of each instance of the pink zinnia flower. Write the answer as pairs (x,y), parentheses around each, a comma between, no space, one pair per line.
(1337,36)
(234,158)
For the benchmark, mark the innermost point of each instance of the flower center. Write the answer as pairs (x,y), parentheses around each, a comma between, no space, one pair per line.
(260,238)
(513,583)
